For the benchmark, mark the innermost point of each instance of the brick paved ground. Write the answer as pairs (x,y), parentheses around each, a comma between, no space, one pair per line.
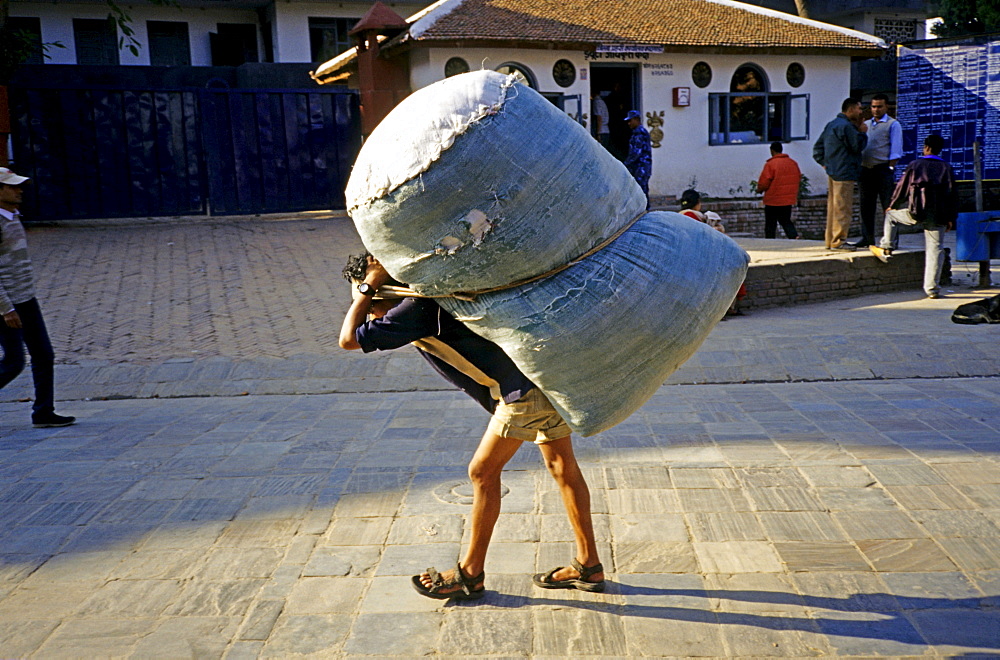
(189,308)
(152,291)
(854,515)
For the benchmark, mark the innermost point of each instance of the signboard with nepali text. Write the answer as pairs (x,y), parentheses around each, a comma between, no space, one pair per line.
(953,91)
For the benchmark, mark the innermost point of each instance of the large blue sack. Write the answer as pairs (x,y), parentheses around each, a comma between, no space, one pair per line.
(600,337)
(476,182)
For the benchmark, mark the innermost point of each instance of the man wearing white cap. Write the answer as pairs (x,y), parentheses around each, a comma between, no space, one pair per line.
(22,324)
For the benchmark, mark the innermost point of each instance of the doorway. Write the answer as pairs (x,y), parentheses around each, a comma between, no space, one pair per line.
(619,86)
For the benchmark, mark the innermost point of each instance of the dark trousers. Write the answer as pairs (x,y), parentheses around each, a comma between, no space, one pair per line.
(33,336)
(773,215)
(874,185)
(645,190)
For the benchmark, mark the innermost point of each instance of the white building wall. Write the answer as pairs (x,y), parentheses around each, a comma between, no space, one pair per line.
(57,26)
(685,154)
(291,43)
(290,29)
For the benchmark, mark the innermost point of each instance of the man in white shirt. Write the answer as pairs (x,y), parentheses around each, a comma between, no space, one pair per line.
(600,118)
(22,326)
(878,163)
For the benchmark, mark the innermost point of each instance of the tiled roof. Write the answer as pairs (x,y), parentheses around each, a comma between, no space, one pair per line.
(698,23)
(378,17)
(673,24)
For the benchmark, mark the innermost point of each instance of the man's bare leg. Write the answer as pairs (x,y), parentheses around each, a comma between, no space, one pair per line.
(484,471)
(562,465)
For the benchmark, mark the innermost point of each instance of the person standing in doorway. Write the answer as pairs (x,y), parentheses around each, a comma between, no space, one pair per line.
(838,150)
(878,164)
(640,152)
(779,181)
(601,120)
(22,324)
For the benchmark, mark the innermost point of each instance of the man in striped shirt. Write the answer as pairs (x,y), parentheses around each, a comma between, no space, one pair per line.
(22,324)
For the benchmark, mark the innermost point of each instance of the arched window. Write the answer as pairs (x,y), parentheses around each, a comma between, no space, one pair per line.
(749,78)
(523,73)
(750,113)
(746,113)
(455,66)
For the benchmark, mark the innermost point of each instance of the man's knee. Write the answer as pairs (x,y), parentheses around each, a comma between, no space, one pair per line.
(484,472)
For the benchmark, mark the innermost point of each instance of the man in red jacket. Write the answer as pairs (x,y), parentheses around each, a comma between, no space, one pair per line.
(779,181)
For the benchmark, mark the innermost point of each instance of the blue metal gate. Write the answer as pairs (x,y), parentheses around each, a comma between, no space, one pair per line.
(111,152)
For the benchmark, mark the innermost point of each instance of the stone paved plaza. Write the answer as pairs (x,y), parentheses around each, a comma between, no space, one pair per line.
(817,481)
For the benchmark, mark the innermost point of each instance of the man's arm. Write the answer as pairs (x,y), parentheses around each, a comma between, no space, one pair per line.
(901,195)
(765,178)
(855,138)
(361,305)
(895,142)
(10,316)
(633,153)
(819,149)
(951,193)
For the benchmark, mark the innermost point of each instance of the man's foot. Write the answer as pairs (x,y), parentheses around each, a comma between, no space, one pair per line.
(883,254)
(859,244)
(933,294)
(50,419)
(572,577)
(844,247)
(984,282)
(453,584)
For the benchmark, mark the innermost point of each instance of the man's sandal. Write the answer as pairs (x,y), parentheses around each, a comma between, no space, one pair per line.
(439,584)
(545,581)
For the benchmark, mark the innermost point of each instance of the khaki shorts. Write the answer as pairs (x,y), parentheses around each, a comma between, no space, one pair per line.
(531,419)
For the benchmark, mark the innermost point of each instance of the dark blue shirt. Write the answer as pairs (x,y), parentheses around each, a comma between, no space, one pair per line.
(420,318)
(640,155)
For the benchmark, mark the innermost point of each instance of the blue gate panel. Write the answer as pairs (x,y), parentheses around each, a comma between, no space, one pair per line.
(111,157)
(273,163)
(111,152)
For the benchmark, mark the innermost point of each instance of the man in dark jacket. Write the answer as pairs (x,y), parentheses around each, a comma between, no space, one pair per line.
(640,154)
(838,150)
(927,189)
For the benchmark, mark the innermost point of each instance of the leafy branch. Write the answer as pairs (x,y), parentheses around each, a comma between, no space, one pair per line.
(123,21)
(16,46)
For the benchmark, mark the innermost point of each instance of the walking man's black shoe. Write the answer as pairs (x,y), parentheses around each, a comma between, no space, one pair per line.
(50,420)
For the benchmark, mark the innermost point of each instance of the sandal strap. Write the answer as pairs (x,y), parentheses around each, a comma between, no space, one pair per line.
(439,582)
(587,572)
(548,576)
(467,582)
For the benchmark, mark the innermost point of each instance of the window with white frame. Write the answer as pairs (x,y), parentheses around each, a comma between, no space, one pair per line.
(752,114)
(328,37)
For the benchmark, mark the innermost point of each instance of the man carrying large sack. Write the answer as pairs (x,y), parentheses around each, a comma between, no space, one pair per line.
(520,411)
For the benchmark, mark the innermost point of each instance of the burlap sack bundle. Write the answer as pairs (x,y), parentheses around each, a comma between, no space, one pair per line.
(478,183)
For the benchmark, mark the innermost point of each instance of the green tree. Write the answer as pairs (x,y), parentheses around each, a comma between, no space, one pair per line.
(962,17)
(16,47)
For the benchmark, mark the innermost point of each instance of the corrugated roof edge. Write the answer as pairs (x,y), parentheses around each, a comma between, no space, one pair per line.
(864,36)
(425,19)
